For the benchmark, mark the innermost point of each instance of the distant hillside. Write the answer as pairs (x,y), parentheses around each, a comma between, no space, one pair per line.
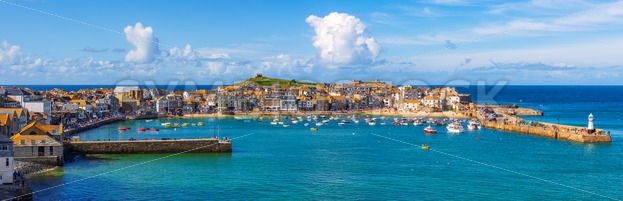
(260,80)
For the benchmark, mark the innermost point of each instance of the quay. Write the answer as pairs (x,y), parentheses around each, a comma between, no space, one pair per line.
(71,131)
(209,145)
(90,126)
(552,131)
(512,123)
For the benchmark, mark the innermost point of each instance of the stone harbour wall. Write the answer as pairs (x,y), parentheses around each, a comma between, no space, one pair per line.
(539,131)
(149,146)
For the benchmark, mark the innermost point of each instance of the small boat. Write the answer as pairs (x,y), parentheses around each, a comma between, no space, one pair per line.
(382,123)
(425,147)
(273,123)
(149,120)
(124,128)
(285,125)
(371,123)
(319,123)
(155,129)
(169,125)
(313,129)
(474,125)
(200,123)
(280,123)
(193,124)
(455,127)
(142,129)
(294,121)
(164,124)
(341,124)
(430,130)
(185,124)
(306,124)
(417,123)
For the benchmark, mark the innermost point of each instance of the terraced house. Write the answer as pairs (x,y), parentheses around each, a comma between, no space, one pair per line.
(6,160)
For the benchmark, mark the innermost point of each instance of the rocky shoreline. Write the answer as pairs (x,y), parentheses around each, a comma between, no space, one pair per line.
(30,168)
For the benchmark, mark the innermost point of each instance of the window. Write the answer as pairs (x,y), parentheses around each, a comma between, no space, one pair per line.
(33,142)
(22,142)
(4,147)
(7,162)
(51,150)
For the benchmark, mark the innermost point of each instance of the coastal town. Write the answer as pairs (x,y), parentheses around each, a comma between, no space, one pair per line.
(36,125)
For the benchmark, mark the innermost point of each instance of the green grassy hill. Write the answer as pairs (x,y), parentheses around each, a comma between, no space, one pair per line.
(266,81)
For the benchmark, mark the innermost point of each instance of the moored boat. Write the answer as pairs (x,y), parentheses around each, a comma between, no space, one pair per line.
(455,127)
(123,128)
(474,125)
(430,130)
(169,125)
(425,147)
(371,123)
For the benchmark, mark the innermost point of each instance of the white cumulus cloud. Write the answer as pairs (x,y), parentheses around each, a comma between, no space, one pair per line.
(9,54)
(341,41)
(144,41)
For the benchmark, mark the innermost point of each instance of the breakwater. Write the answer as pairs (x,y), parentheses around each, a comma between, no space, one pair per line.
(149,146)
(551,131)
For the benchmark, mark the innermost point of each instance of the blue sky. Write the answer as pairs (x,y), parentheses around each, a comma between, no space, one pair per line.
(216,42)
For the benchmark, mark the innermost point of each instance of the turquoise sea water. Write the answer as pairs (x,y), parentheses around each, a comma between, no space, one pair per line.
(353,162)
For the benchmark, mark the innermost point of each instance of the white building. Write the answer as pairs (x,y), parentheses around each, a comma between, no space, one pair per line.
(19,95)
(39,106)
(410,105)
(432,101)
(6,160)
(453,99)
(125,89)
(71,106)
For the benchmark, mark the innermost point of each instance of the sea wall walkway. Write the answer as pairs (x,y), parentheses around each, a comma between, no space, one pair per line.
(149,146)
(549,130)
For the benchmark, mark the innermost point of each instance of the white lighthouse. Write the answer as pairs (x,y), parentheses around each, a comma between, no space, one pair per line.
(591,127)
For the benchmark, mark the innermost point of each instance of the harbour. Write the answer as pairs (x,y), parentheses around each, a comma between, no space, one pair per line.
(148,137)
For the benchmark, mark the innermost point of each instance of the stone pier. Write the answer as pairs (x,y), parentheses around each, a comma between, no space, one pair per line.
(547,131)
(149,146)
